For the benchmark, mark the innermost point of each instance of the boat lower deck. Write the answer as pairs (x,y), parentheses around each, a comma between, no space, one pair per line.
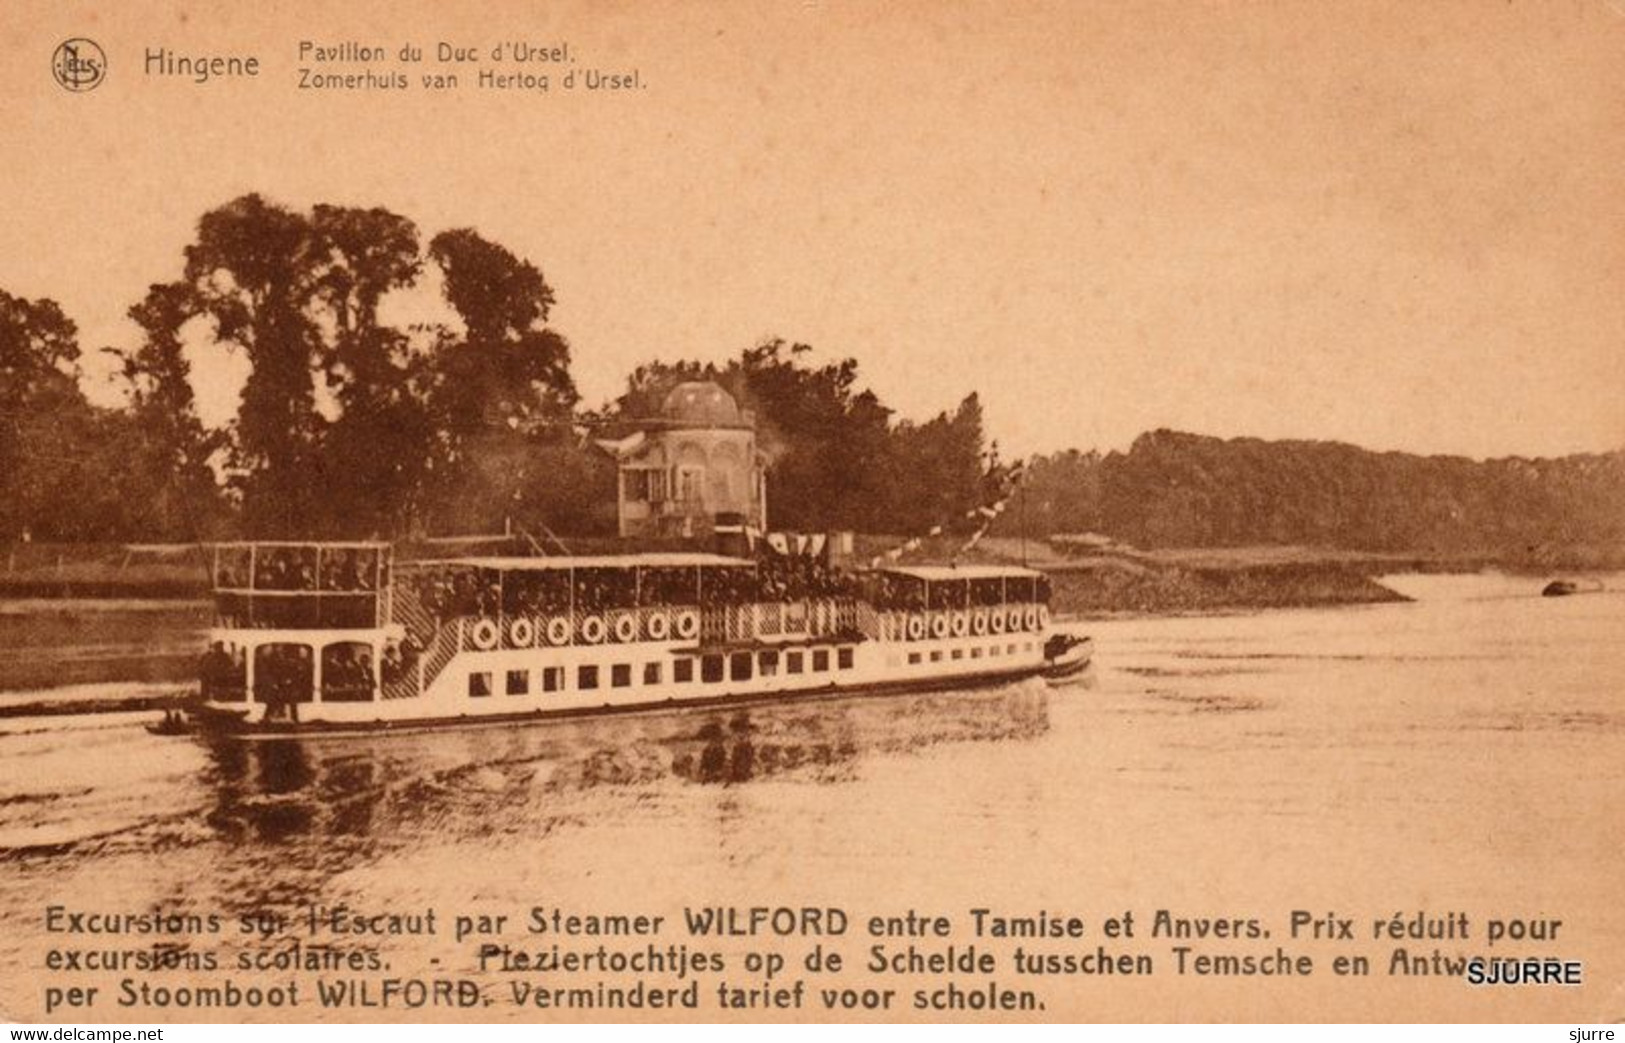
(243,726)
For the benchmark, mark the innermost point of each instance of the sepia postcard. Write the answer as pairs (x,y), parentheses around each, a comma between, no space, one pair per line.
(812,511)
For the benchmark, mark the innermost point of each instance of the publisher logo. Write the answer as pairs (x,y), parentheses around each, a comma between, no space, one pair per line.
(79,65)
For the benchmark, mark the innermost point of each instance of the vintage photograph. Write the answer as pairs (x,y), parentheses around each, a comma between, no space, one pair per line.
(812,511)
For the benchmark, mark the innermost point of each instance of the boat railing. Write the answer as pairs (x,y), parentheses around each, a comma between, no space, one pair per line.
(781,620)
(978,621)
(755,621)
(300,610)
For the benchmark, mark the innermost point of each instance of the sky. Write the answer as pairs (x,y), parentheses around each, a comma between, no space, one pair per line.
(1396,225)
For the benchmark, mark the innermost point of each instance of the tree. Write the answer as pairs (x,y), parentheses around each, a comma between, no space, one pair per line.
(255,270)
(63,473)
(169,449)
(501,395)
(936,470)
(375,452)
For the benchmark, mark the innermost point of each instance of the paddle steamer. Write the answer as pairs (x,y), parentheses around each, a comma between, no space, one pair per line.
(313,637)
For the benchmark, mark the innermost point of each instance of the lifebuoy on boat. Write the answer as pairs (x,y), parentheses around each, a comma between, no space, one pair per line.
(522,633)
(916,628)
(626,628)
(688,624)
(960,624)
(996,621)
(1043,616)
(659,626)
(939,625)
(558,631)
(484,633)
(1032,618)
(1014,619)
(978,622)
(592,629)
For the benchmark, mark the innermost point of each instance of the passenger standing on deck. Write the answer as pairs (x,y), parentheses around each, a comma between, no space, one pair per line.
(214,670)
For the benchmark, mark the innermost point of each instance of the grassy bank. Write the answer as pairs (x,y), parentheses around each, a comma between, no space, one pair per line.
(1112,586)
(58,643)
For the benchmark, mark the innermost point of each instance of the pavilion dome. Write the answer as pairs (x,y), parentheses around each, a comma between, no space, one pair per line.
(701,403)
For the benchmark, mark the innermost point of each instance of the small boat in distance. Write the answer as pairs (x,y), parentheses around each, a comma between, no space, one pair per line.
(1558,588)
(339,637)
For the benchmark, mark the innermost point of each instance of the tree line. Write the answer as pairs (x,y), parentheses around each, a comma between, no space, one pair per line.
(1181,490)
(354,425)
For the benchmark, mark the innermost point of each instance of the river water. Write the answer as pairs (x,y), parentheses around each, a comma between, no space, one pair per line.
(1460,754)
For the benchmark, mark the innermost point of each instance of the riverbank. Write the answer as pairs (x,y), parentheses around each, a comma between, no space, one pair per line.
(1114,587)
(53,644)
(78,655)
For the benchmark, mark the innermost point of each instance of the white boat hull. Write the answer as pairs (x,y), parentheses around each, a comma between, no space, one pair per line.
(505,685)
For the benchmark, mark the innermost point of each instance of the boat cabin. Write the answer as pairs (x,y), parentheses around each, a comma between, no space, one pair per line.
(294,622)
(919,602)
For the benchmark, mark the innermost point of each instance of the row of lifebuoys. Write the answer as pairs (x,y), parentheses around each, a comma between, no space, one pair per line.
(485,633)
(979,622)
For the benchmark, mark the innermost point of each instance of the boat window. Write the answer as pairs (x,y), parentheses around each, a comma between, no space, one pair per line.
(587,677)
(913,658)
(479,684)
(283,673)
(769,663)
(987,591)
(949,594)
(651,673)
(552,678)
(535,592)
(843,658)
(347,673)
(682,671)
(820,660)
(976,653)
(739,666)
(349,568)
(231,570)
(959,653)
(518,682)
(711,669)
(620,675)
(599,589)
(936,657)
(727,585)
(284,568)
(223,674)
(669,585)
(1011,648)
(992,649)
(793,662)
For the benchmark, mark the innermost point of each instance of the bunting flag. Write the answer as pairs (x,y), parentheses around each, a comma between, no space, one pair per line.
(1012,478)
(984,514)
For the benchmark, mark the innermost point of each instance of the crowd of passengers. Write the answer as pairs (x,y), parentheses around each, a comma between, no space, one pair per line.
(453,591)
(282,672)
(892,592)
(299,568)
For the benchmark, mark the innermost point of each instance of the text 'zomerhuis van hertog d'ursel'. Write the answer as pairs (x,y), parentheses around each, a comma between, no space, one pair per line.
(516,65)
